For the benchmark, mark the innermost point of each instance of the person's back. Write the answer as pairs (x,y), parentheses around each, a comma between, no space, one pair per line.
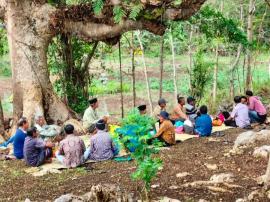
(18,143)
(101,146)
(240,115)
(255,104)
(32,150)
(72,147)
(203,123)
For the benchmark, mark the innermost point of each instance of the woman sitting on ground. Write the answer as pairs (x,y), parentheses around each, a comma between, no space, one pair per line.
(36,151)
(166,132)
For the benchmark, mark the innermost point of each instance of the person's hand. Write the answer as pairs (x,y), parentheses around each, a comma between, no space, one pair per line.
(50,144)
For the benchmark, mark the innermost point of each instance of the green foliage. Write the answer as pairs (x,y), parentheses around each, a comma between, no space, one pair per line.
(214,25)
(118,13)
(111,87)
(97,6)
(200,75)
(134,133)
(136,9)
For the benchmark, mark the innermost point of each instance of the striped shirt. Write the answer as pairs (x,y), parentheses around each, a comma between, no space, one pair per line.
(101,146)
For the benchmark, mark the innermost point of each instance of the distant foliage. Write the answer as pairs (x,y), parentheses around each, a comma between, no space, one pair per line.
(213,24)
(200,75)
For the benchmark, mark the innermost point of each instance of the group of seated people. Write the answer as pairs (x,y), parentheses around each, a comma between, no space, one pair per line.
(29,145)
(34,146)
(187,118)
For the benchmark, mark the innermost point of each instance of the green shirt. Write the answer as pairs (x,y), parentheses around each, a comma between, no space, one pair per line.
(90,117)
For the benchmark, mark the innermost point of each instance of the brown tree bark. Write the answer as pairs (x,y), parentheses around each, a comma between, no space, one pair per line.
(2,129)
(161,65)
(251,11)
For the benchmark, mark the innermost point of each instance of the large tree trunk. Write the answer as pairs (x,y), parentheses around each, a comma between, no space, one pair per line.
(32,89)
(2,129)
(161,65)
(174,66)
(190,57)
(146,74)
(250,37)
(133,69)
(215,78)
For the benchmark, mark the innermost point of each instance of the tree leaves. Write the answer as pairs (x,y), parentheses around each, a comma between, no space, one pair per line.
(97,6)
(118,13)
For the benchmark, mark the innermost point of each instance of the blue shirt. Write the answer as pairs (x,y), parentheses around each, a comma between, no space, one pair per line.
(203,125)
(18,142)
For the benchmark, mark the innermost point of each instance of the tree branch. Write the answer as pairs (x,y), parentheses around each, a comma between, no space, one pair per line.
(3,6)
(80,20)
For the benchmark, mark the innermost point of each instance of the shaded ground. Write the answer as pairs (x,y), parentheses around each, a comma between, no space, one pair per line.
(189,156)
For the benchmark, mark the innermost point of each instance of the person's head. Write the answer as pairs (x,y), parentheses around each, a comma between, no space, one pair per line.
(181,100)
(244,99)
(203,109)
(237,99)
(93,103)
(249,93)
(191,101)
(142,109)
(32,132)
(162,103)
(69,129)
(163,116)
(100,125)
(40,120)
(23,123)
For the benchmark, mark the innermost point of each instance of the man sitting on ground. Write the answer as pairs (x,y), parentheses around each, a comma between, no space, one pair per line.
(101,145)
(239,115)
(71,149)
(179,111)
(46,131)
(257,112)
(142,109)
(159,108)
(36,151)
(191,110)
(166,132)
(90,117)
(203,123)
(19,138)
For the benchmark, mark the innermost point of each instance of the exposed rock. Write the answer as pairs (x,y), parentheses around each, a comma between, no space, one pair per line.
(262,151)
(173,187)
(250,137)
(98,193)
(241,200)
(202,200)
(154,186)
(182,175)
(223,177)
(255,195)
(211,166)
(27,200)
(260,180)
(167,199)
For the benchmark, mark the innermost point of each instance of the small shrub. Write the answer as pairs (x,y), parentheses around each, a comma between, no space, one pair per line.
(134,135)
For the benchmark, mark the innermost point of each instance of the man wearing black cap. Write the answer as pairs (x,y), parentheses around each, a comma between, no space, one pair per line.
(191,110)
(166,132)
(142,109)
(160,107)
(101,144)
(90,117)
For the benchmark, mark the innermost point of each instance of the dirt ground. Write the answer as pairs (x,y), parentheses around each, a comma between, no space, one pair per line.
(189,156)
